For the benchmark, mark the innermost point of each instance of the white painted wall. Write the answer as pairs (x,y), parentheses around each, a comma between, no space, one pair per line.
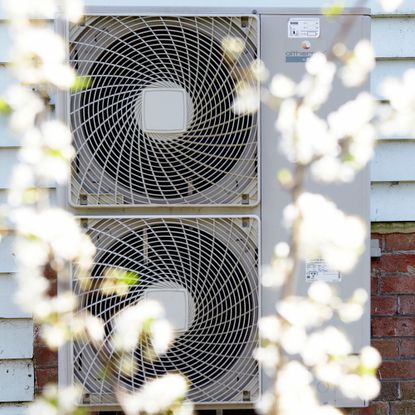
(393,175)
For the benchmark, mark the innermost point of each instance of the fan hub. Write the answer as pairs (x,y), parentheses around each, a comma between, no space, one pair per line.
(177,303)
(164,110)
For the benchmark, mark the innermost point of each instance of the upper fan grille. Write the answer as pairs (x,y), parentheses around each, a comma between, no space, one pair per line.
(215,262)
(213,162)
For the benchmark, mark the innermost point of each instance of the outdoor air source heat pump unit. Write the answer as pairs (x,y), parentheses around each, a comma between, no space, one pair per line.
(173,185)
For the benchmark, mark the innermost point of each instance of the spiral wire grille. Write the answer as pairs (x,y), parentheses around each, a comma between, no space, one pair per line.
(213,162)
(215,261)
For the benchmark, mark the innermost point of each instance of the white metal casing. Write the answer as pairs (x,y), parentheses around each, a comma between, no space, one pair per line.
(273,47)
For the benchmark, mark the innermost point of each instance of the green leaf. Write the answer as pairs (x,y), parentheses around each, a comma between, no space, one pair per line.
(128,278)
(4,107)
(81,83)
(335,9)
(284,177)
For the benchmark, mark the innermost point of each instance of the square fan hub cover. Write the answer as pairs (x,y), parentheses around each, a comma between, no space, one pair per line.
(175,302)
(164,110)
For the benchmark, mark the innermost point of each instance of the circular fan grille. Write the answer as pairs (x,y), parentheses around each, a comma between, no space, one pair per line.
(213,161)
(215,261)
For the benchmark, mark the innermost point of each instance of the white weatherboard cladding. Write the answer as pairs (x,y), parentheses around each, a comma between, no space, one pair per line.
(384,166)
(393,38)
(7,258)
(13,409)
(7,139)
(8,308)
(386,68)
(16,381)
(8,158)
(5,42)
(16,339)
(392,201)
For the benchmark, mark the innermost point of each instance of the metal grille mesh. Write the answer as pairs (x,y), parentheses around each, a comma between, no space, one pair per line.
(213,162)
(215,261)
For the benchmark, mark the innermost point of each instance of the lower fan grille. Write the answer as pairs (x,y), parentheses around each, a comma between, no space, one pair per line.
(213,262)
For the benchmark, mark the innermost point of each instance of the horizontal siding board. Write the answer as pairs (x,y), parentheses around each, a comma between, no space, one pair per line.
(389,68)
(13,409)
(393,37)
(16,381)
(8,308)
(392,202)
(8,157)
(5,41)
(394,161)
(16,339)
(3,198)
(7,257)
(7,138)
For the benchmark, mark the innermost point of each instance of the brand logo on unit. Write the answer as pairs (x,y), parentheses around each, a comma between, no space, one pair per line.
(295,56)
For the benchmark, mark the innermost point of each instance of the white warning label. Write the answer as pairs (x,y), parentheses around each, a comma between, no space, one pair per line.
(316,270)
(304,27)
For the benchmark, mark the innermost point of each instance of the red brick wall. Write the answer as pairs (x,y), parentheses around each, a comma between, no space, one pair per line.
(393,322)
(393,328)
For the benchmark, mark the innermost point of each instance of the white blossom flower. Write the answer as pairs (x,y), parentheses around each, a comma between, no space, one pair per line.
(282,86)
(275,274)
(25,105)
(233,46)
(56,401)
(22,179)
(370,358)
(359,64)
(269,328)
(390,5)
(357,138)
(259,70)
(30,9)
(36,51)
(299,311)
(157,396)
(349,312)
(161,332)
(400,93)
(294,389)
(327,233)
(316,86)
(247,99)
(48,149)
(353,309)
(282,250)
(54,335)
(32,289)
(94,327)
(73,10)
(330,372)
(323,344)
(330,169)
(268,356)
(264,403)
(292,339)
(53,226)
(134,321)
(364,387)
(320,292)
(361,110)
(42,407)
(304,135)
